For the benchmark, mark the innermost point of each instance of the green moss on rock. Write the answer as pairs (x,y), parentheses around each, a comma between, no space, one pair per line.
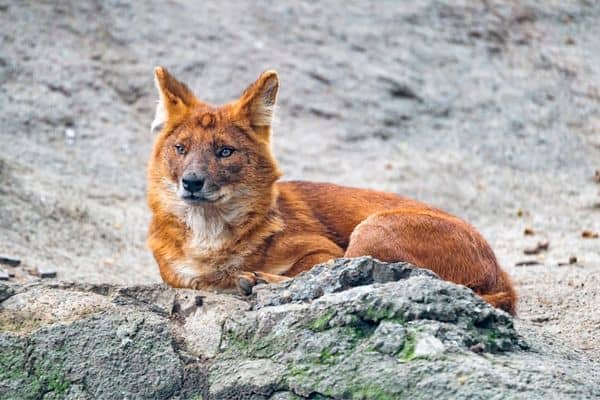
(370,392)
(321,323)
(408,351)
(26,383)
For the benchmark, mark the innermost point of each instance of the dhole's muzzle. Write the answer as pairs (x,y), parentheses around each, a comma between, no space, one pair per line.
(195,188)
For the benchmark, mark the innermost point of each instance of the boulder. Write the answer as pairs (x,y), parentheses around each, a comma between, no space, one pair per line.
(349,329)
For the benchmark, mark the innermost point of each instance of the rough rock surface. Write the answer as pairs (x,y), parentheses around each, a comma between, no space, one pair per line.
(356,329)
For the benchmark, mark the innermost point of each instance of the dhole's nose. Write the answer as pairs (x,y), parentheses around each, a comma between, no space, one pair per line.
(192,182)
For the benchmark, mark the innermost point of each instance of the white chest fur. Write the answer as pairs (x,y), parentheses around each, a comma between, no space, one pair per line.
(208,230)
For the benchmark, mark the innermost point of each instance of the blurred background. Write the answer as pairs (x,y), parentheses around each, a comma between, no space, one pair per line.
(487,109)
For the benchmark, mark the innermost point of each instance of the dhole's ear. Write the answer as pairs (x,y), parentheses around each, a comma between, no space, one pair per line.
(258,101)
(175,98)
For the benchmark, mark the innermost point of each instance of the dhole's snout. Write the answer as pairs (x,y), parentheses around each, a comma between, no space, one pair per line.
(192,182)
(192,188)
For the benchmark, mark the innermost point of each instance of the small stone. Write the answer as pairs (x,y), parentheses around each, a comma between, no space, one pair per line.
(528,232)
(540,318)
(587,234)
(526,263)
(539,247)
(9,260)
(70,133)
(43,272)
(70,136)
(572,260)
(6,291)
(4,276)
(477,348)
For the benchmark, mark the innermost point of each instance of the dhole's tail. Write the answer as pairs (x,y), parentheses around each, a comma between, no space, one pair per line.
(506,297)
(502,300)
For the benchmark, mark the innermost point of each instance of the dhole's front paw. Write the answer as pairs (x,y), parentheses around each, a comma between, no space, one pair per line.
(247,280)
(197,284)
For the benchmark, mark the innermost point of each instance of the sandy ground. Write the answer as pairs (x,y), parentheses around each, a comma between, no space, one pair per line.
(488,109)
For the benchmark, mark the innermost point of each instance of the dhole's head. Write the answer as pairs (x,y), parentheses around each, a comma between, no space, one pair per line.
(212,156)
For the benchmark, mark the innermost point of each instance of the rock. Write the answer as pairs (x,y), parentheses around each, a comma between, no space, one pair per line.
(44,272)
(4,276)
(38,307)
(246,378)
(92,352)
(352,328)
(9,260)
(334,277)
(388,338)
(5,291)
(208,317)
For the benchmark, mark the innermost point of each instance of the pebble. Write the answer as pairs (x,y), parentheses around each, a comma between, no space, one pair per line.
(4,275)
(8,260)
(43,272)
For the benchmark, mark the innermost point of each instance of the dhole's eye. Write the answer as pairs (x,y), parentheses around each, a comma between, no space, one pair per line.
(180,148)
(225,152)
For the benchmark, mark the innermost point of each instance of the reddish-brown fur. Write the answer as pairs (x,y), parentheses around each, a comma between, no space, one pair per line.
(253,229)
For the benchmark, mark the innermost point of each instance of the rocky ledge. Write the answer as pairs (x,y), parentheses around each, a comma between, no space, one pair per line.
(350,329)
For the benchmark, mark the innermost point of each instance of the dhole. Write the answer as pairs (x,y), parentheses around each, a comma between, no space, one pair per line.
(221,220)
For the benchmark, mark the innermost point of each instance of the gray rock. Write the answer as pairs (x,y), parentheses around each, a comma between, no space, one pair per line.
(109,355)
(357,329)
(5,291)
(388,338)
(207,317)
(334,277)
(246,378)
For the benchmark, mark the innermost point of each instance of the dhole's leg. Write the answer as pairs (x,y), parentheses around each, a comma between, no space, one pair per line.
(309,261)
(446,245)
(323,250)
